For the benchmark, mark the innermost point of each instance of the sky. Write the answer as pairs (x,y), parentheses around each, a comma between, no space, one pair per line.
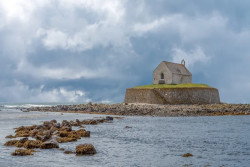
(92,50)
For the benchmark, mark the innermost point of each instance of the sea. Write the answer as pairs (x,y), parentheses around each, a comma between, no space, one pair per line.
(216,141)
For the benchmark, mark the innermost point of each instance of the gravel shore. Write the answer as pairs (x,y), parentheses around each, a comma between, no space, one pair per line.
(150,109)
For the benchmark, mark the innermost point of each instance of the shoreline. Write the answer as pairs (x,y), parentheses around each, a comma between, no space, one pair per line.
(140,109)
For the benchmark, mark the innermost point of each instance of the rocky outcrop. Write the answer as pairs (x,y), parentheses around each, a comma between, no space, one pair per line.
(50,133)
(149,110)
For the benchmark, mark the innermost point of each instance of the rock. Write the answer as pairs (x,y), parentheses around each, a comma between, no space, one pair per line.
(49,145)
(25,110)
(30,144)
(109,118)
(53,121)
(11,143)
(83,133)
(22,133)
(57,125)
(68,152)
(187,155)
(65,123)
(46,123)
(85,149)
(128,127)
(10,137)
(93,122)
(65,139)
(21,142)
(63,134)
(66,128)
(22,152)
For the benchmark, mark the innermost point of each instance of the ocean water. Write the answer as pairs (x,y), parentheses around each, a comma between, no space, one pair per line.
(152,141)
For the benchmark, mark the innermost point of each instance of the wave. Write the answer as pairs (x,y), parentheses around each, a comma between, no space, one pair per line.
(19,106)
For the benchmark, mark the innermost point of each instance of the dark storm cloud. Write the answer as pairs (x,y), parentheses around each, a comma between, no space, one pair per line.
(77,51)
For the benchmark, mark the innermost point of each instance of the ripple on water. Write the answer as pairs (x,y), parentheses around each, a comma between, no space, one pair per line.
(151,141)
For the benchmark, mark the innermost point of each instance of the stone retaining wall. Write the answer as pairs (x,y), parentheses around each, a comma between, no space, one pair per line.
(173,96)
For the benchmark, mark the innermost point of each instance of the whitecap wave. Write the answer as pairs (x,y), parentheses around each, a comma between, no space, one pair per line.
(19,106)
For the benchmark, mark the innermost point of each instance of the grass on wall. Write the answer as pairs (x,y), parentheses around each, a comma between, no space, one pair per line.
(188,85)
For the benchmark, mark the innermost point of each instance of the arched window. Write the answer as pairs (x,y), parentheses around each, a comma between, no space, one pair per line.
(162,76)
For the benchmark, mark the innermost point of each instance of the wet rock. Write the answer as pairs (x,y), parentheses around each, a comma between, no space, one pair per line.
(22,152)
(49,145)
(128,127)
(109,118)
(65,139)
(25,110)
(57,125)
(68,152)
(85,149)
(30,144)
(65,123)
(46,123)
(24,133)
(89,122)
(21,142)
(63,134)
(187,155)
(66,128)
(53,121)
(10,137)
(83,133)
(11,142)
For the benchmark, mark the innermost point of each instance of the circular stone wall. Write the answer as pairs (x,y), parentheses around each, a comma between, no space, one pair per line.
(172,95)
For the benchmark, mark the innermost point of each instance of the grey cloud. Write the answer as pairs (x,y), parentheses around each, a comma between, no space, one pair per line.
(52,50)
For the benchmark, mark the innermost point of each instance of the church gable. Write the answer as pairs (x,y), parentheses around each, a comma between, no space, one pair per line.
(171,73)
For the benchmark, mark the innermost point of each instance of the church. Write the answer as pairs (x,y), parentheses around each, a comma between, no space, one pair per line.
(171,73)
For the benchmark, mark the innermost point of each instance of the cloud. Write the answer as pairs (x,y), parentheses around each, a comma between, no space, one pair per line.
(151,26)
(84,50)
(21,91)
(193,56)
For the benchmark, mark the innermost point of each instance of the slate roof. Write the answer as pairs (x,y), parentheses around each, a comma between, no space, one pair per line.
(177,68)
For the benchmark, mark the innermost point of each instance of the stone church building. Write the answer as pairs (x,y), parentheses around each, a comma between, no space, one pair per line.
(171,73)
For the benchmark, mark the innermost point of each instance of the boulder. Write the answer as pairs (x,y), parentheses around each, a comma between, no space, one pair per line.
(128,127)
(30,144)
(22,152)
(11,142)
(85,149)
(49,145)
(187,155)
(65,139)
(10,137)
(83,133)
(68,152)
(109,118)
